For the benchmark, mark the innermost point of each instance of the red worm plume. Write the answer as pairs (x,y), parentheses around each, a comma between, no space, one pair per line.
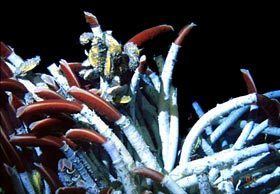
(13,86)
(250,84)
(149,173)
(149,34)
(5,71)
(49,125)
(271,107)
(5,51)
(49,176)
(47,94)
(70,190)
(50,81)
(49,107)
(91,19)
(106,190)
(11,152)
(28,140)
(70,76)
(95,102)
(183,34)
(86,135)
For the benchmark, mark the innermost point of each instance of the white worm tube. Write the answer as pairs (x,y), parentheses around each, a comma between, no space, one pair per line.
(174,131)
(275,131)
(258,129)
(155,80)
(251,162)
(122,171)
(138,143)
(241,140)
(232,118)
(226,187)
(219,160)
(172,186)
(198,110)
(275,191)
(188,181)
(207,118)
(24,177)
(104,130)
(61,80)
(164,115)
(264,179)
(15,60)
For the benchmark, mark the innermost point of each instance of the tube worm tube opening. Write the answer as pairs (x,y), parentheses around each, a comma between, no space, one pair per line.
(183,34)
(49,106)
(50,81)
(95,102)
(5,51)
(143,64)
(149,34)
(149,173)
(250,84)
(91,19)
(85,134)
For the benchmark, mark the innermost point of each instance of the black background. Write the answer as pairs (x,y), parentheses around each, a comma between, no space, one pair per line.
(228,37)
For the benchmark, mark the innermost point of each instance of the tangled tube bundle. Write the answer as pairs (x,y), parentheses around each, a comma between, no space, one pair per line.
(110,124)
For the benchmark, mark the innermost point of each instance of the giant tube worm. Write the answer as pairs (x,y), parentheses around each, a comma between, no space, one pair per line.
(123,173)
(5,71)
(104,108)
(9,54)
(164,112)
(47,94)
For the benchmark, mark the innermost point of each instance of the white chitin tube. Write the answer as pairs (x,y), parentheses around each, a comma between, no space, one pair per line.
(164,114)
(207,118)
(138,143)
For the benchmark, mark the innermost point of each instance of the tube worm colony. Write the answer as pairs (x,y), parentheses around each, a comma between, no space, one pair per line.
(110,124)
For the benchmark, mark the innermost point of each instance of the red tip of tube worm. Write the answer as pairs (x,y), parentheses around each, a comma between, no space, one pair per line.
(75,66)
(50,81)
(28,140)
(95,91)
(143,64)
(70,76)
(5,71)
(183,34)
(271,107)
(85,134)
(49,106)
(91,19)
(16,102)
(13,86)
(5,51)
(69,142)
(48,125)
(11,152)
(95,102)
(47,94)
(70,190)
(149,173)
(250,84)
(141,38)
(49,176)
